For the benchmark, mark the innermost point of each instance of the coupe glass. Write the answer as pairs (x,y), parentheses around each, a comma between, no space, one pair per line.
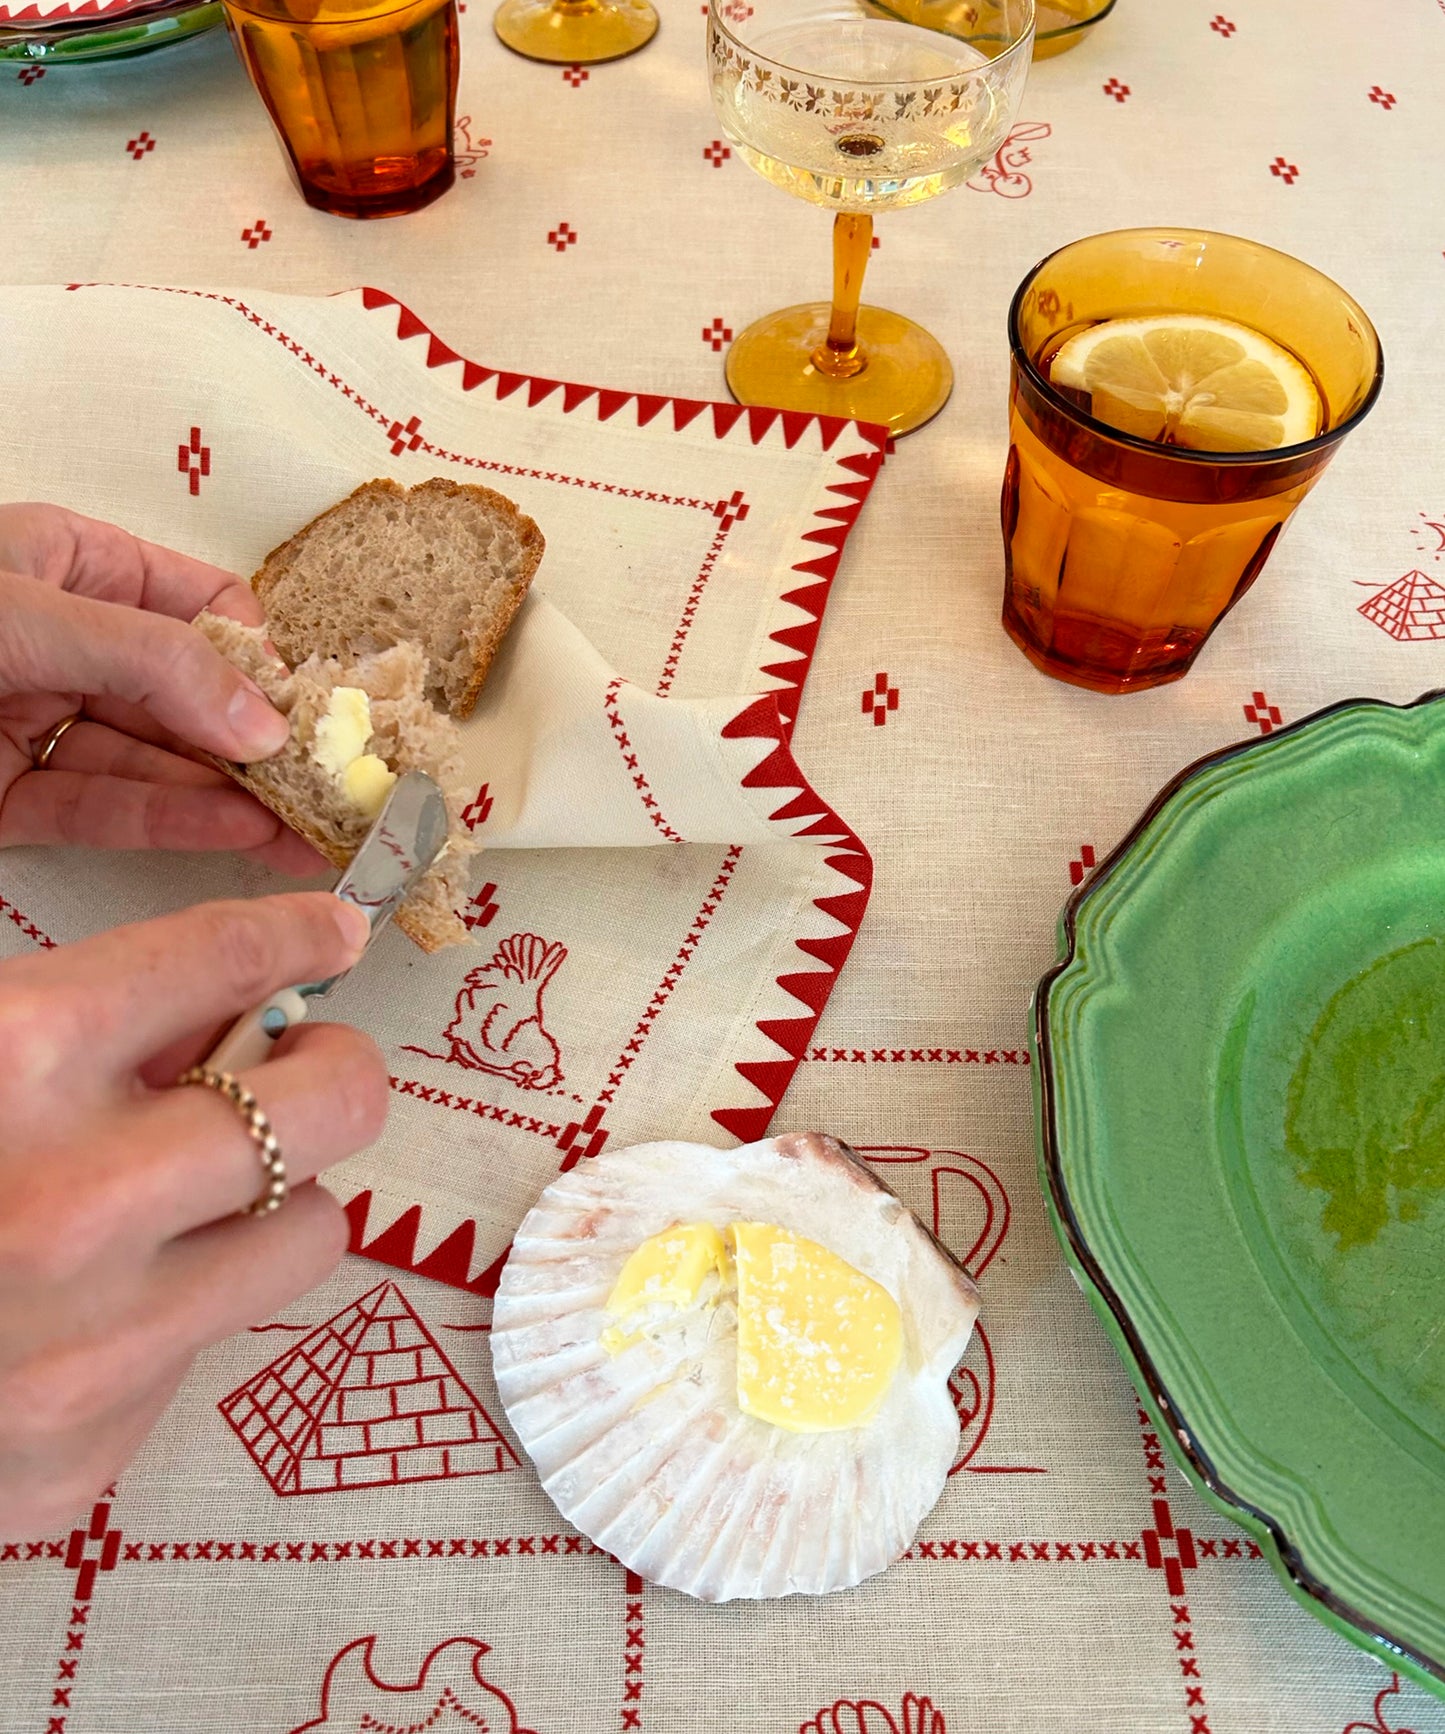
(860,107)
(575,32)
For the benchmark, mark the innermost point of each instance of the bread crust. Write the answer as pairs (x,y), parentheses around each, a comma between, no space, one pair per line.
(529,538)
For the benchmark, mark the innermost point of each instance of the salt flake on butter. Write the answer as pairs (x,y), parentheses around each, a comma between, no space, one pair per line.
(818,1342)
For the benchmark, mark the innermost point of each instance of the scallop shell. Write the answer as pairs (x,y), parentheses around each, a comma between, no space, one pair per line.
(647,1452)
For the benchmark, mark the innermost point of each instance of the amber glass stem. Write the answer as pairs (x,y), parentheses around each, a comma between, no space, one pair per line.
(838,355)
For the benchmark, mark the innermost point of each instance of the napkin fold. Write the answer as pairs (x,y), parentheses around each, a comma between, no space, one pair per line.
(663,902)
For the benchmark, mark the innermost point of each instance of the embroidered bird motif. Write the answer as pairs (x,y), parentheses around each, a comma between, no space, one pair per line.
(498,1026)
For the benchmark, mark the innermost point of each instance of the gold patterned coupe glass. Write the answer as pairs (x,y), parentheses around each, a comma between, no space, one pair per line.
(575,32)
(860,107)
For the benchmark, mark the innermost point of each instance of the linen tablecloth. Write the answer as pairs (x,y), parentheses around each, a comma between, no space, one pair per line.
(604,232)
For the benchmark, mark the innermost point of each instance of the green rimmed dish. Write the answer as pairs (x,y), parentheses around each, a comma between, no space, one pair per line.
(1240,1093)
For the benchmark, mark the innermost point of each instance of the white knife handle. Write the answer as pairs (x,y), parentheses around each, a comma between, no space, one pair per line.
(251,1038)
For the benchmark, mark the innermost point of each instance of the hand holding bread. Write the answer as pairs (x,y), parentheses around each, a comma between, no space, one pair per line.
(383,616)
(93,621)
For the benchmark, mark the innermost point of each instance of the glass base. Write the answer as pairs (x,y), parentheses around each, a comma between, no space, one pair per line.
(575,32)
(1103,659)
(905,381)
(397,191)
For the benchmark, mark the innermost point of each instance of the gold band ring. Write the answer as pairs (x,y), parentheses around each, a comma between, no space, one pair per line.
(49,741)
(273,1192)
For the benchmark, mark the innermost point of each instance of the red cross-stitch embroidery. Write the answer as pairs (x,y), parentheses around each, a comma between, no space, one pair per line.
(449,1691)
(1084,863)
(482,908)
(1004,175)
(1383,97)
(478,810)
(1220,23)
(256,234)
(717,335)
(732,510)
(470,151)
(1262,713)
(1410,609)
(868,1716)
(194,460)
(717,153)
(30,74)
(404,437)
(1287,172)
(575,75)
(879,699)
(1119,91)
(140,144)
(367,1399)
(562,237)
(575,1131)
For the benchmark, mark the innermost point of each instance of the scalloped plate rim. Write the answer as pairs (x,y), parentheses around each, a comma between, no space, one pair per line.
(1183,1440)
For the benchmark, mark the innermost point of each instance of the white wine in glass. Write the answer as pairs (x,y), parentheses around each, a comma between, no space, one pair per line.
(860,107)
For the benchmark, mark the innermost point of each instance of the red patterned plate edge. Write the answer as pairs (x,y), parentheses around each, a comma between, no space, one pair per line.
(769,716)
(1184,1446)
(72,11)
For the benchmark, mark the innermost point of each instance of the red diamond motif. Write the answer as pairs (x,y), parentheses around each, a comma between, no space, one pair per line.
(1263,713)
(1220,23)
(718,335)
(1119,91)
(717,153)
(1383,97)
(562,237)
(575,75)
(879,699)
(140,144)
(1287,172)
(194,461)
(256,234)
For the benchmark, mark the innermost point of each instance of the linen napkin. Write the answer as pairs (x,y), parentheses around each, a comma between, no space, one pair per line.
(663,902)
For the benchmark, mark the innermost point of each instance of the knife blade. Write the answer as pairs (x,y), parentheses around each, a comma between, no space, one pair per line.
(405,838)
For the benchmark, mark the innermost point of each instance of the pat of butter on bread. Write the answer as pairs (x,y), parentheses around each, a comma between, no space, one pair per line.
(339,746)
(383,615)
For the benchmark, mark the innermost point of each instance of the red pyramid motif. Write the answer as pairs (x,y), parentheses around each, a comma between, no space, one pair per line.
(1413,607)
(366,1400)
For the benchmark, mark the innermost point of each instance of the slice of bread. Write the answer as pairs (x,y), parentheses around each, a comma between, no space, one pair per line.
(408,731)
(444,565)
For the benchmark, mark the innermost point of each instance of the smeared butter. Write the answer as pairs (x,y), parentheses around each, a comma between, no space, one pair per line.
(668,1271)
(339,746)
(818,1342)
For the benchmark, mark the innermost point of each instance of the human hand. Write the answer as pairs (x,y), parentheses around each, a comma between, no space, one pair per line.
(121,1255)
(93,620)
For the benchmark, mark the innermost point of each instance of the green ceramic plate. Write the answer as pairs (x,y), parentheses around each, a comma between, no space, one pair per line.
(1241,1099)
(109,39)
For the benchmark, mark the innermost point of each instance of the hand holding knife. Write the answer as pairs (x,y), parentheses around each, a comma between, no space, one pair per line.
(404,841)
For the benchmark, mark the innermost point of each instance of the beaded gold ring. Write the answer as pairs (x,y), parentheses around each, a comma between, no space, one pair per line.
(274,1188)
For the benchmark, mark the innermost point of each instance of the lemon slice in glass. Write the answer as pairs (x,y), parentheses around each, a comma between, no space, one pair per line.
(1187,379)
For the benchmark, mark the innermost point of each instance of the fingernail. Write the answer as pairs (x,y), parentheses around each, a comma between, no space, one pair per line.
(260,728)
(355,926)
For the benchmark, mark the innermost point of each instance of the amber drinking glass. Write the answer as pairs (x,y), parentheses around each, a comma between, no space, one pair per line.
(1122,555)
(363,94)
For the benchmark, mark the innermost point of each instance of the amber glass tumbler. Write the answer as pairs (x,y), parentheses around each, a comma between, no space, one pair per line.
(1121,555)
(363,94)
